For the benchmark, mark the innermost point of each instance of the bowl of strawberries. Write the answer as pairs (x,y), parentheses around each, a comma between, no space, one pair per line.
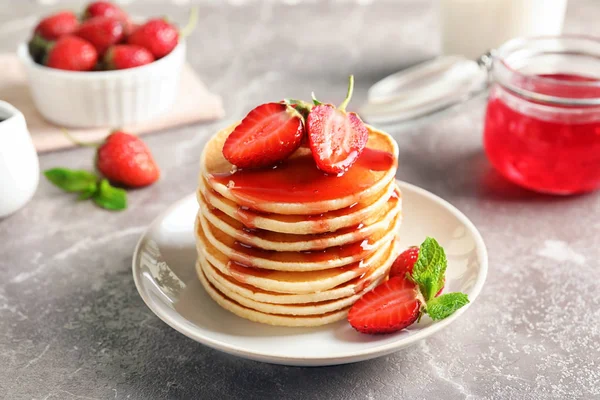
(103,69)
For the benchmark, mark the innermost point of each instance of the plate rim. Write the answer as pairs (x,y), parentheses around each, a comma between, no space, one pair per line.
(337,358)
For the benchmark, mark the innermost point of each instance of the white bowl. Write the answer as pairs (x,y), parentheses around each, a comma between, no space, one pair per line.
(104,98)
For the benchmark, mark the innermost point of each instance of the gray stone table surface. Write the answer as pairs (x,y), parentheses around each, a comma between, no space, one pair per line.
(72,325)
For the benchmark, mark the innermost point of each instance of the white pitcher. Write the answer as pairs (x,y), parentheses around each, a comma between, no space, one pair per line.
(19,166)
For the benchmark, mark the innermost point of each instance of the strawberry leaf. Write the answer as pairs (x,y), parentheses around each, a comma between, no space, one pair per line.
(109,197)
(445,305)
(71,180)
(430,268)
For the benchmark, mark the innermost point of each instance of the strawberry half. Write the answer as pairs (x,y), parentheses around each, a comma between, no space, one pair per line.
(389,307)
(336,137)
(268,134)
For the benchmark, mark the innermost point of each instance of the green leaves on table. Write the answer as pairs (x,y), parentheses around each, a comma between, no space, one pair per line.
(89,186)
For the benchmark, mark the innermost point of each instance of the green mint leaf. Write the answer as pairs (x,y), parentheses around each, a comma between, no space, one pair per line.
(446,304)
(71,180)
(88,192)
(110,198)
(430,268)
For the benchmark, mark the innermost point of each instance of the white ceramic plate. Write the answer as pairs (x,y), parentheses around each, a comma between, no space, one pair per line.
(163,270)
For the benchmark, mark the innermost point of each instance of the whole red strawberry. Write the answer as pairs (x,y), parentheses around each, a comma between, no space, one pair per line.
(73,54)
(124,159)
(123,56)
(336,137)
(156,35)
(269,133)
(57,25)
(104,9)
(405,263)
(102,32)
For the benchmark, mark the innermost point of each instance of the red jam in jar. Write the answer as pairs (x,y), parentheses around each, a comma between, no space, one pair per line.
(542,125)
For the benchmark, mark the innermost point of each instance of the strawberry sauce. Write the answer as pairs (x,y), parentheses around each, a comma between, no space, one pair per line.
(547,148)
(298,180)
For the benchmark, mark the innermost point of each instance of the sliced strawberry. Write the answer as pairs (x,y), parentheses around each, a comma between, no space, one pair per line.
(389,307)
(405,263)
(336,137)
(269,133)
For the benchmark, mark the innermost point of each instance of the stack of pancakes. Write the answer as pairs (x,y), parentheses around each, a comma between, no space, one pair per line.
(290,245)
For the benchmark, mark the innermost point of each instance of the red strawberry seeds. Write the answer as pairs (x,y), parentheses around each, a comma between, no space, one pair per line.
(268,134)
(336,137)
(125,159)
(73,54)
(123,56)
(57,25)
(389,307)
(156,35)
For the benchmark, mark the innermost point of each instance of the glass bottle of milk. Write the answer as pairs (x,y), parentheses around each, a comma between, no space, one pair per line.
(472,27)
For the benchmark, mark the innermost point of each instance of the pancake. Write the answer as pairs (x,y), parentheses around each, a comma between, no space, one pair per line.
(314,308)
(271,319)
(301,224)
(329,258)
(295,186)
(290,244)
(375,274)
(293,282)
(277,241)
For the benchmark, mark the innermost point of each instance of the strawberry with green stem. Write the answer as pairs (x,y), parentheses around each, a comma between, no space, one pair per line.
(336,137)
(403,300)
(122,159)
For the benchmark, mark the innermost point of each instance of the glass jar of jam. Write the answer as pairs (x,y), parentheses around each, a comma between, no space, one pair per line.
(542,124)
